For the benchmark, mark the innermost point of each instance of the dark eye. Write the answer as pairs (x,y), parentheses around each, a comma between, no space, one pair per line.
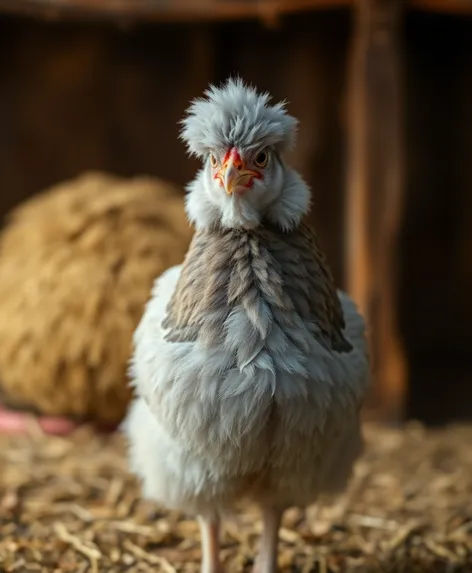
(262,158)
(213,160)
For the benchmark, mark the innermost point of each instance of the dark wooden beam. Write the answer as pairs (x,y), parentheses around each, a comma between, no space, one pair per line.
(459,7)
(163,10)
(374,190)
(191,10)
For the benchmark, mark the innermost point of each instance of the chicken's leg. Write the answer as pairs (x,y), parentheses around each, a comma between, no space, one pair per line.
(266,561)
(210,535)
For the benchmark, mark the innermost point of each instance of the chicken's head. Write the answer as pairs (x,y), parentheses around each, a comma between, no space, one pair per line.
(242,140)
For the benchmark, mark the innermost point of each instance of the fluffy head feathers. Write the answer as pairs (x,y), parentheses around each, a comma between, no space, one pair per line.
(237,121)
(235,114)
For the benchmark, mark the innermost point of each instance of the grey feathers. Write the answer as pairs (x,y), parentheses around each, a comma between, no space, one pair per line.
(236,115)
(273,277)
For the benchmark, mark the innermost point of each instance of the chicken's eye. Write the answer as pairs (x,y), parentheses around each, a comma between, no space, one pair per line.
(213,161)
(262,158)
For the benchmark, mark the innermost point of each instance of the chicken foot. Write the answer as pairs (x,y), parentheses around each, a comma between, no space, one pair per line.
(266,561)
(210,540)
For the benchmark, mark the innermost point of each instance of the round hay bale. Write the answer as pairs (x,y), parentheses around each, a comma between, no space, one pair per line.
(76,267)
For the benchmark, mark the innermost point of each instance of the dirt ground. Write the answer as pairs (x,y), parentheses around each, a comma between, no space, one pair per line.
(68,505)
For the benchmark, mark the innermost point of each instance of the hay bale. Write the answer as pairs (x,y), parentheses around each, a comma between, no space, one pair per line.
(76,267)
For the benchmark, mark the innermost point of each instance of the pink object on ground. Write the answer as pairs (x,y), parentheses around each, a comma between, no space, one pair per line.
(18,422)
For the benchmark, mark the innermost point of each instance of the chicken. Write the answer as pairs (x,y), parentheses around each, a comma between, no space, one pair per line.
(249,368)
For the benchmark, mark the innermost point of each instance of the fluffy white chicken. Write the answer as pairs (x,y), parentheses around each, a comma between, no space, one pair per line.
(249,367)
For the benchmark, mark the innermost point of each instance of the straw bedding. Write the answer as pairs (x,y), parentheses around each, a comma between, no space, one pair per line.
(69,505)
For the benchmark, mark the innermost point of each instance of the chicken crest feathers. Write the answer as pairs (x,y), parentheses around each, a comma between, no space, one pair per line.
(235,114)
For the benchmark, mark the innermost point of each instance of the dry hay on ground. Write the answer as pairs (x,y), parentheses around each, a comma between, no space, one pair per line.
(68,505)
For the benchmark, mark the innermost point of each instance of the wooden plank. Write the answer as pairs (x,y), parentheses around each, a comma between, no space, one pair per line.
(163,10)
(191,10)
(460,7)
(374,189)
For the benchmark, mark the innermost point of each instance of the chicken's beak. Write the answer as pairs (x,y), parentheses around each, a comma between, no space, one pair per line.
(235,177)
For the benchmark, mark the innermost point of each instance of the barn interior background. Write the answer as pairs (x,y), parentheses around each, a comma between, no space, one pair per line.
(383,91)
(102,85)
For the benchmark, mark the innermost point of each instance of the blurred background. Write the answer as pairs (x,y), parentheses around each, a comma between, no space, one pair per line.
(383,92)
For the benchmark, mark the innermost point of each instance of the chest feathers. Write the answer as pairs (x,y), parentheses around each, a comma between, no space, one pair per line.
(254,321)
(257,293)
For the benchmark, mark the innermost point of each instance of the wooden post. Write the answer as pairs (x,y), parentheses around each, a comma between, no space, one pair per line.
(374,191)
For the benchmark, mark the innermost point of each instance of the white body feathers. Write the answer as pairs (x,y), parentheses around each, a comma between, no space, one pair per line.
(199,443)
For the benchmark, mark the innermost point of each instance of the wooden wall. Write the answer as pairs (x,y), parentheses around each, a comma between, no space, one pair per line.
(436,301)
(84,96)
(76,97)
